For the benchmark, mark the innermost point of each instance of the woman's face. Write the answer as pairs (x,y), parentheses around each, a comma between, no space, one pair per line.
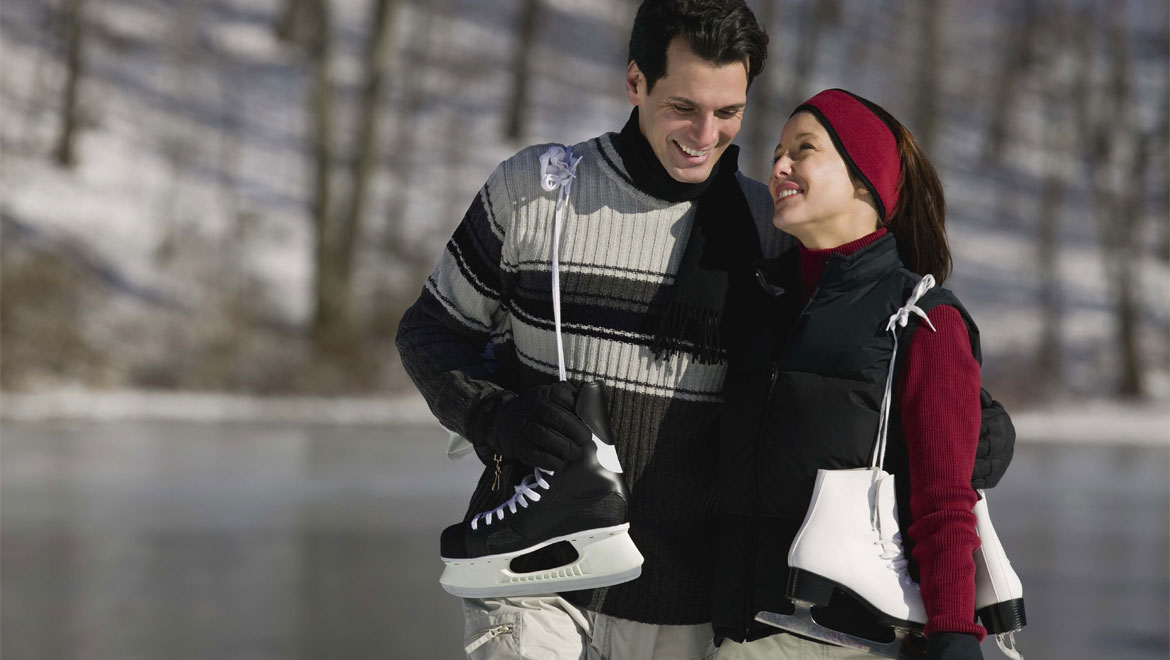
(814,195)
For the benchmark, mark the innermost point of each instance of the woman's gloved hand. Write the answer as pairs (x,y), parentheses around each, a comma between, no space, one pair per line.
(952,646)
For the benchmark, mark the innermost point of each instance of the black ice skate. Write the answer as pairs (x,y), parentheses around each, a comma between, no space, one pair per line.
(583,504)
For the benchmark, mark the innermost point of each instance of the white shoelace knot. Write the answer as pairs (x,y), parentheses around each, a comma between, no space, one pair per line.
(525,493)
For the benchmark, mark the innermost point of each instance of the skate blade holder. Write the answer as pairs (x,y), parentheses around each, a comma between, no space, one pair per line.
(606,557)
(906,645)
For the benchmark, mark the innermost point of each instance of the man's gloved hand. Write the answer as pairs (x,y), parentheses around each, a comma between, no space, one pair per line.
(952,646)
(538,427)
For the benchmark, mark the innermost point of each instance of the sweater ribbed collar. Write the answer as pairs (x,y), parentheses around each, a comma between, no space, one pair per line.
(814,262)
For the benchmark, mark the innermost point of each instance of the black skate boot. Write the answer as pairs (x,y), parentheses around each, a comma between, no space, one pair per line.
(584,504)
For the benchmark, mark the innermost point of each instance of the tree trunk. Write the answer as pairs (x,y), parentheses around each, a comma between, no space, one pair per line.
(762,128)
(818,15)
(927,97)
(526,36)
(377,56)
(1132,212)
(64,152)
(1017,61)
(1117,211)
(330,313)
(1057,144)
(1050,364)
(293,24)
(416,57)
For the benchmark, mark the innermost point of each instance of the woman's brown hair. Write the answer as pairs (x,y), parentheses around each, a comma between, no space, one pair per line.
(919,219)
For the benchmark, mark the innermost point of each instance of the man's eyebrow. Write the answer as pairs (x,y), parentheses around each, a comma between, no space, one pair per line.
(682,100)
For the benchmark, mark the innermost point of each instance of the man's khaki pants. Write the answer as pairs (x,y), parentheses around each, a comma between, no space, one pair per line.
(551,628)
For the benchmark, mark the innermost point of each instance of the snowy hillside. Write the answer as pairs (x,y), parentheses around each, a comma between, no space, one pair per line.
(177,253)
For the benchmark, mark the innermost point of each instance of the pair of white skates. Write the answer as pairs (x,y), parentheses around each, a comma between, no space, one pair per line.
(850,541)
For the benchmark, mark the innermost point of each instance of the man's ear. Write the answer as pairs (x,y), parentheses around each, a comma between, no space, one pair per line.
(635,83)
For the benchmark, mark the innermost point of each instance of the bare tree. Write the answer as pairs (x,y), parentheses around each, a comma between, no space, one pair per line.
(64,152)
(928,93)
(330,312)
(293,24)
(817,16)
(1057,145)
(1019,55)
(1117,157)
(526,37)
(414,61)
(762,125)
(338,220)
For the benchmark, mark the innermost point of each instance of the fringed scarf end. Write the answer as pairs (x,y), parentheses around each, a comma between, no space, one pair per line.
(689,329)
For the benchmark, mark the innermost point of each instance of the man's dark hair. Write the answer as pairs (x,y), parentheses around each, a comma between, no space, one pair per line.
(718,31)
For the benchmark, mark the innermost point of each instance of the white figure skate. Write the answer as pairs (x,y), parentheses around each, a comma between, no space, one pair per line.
(850,541)
(999,595)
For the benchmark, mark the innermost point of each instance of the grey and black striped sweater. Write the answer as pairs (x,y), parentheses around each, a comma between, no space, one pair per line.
(620,251)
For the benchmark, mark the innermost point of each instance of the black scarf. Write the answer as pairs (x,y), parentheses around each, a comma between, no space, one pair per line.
(721,249)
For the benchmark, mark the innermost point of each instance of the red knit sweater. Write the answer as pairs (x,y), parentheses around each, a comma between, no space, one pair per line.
(940,421)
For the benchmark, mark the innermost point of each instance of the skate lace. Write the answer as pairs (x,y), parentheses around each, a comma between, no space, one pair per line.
(890,545)
(525,493)
(899,319)
(558,168)
(893,553)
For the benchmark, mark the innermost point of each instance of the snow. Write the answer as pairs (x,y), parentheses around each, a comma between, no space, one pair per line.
(1087,423)
(195,141)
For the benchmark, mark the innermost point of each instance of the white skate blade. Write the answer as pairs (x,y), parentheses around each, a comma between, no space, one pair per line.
(606,557)
(801,622)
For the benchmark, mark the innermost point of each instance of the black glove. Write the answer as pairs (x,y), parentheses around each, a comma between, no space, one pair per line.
(538,427)
(952,646)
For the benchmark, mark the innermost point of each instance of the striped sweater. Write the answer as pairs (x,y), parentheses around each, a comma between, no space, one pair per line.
(484,321)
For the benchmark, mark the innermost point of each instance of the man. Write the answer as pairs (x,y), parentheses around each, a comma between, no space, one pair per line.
(659,221)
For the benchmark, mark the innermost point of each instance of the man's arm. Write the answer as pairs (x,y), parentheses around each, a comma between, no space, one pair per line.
(442,337)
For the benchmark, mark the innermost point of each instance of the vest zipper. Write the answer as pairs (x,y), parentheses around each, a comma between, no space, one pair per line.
(749,598)
(748,615)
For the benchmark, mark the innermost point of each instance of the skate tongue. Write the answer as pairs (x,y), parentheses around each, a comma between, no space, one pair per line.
(525,493)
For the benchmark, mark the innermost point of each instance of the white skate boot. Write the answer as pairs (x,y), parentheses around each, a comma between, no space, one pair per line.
(999,595)
(850,541)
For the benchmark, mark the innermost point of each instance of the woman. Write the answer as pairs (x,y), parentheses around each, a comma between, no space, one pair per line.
(806,381)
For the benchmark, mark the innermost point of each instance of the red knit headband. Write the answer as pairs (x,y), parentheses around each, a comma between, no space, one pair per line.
(865,142)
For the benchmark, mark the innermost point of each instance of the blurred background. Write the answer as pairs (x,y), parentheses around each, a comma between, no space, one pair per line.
(213,213)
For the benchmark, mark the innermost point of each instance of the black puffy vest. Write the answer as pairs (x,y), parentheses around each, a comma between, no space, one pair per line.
(803,392)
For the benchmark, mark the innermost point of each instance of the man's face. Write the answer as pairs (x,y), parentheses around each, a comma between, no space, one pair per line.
(693,113)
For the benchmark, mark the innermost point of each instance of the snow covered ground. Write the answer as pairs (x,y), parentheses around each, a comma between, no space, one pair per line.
(190,198)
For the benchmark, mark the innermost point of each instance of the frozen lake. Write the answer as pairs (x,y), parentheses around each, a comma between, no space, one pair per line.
(182,541)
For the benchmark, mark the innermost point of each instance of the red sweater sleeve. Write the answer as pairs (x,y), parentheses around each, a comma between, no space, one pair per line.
(940,420)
